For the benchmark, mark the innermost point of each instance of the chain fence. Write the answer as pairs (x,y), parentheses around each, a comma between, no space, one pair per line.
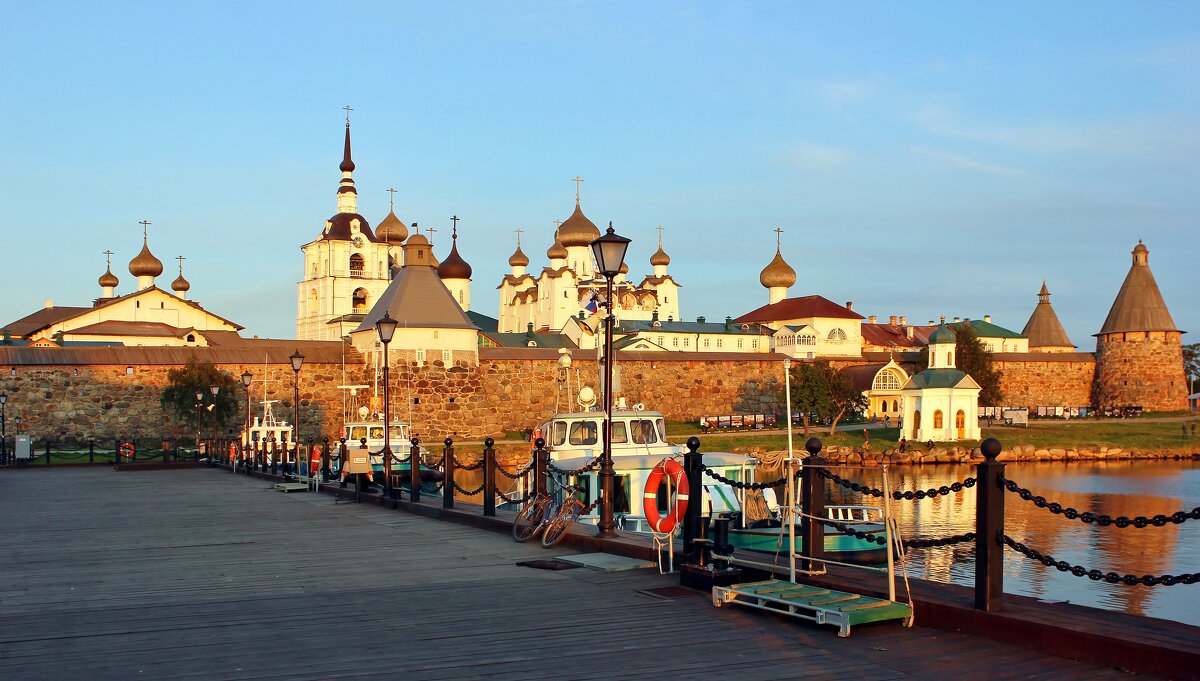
(1098,575)
(1141,521)
(908,495)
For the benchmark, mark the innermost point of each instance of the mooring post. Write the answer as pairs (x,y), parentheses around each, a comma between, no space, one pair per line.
(540,458)
(693,468)
(47,451)
(414,466)
(989,528)
(91,451)
(489,477)
(448,474)
(812,505)
(325,458)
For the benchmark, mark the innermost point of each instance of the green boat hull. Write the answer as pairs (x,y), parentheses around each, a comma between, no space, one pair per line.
(839,547)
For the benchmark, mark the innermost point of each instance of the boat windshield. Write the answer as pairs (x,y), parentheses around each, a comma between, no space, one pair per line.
(559,435)
(643,431)
(376,433)
(584,433)
(397,433)
(356,432)
(619,434)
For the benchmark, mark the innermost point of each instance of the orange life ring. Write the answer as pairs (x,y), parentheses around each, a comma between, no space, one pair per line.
(315,461)
(127,450)
(537,433)
(665,524)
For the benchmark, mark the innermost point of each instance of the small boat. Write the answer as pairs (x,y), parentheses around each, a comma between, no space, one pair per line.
(267,431)
(770,535)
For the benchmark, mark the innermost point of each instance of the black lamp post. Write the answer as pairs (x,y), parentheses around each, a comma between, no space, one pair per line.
(610,254)
(212,433)
(386,328)
(3,431)
(297,362)
(199,418)
(247,378)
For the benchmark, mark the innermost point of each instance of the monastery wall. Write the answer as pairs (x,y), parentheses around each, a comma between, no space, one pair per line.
(1046,379)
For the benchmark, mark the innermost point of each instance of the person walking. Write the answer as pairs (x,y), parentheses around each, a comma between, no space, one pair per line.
(903,443)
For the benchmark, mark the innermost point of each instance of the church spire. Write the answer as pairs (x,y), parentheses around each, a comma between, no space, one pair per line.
(347,194)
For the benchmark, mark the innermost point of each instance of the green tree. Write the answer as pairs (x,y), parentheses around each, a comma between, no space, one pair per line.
(843,397)
(179,397)
(1191,365)
(975,360)
(810,390)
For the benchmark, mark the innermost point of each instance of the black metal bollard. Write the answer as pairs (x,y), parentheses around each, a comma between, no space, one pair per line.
(47,451)
(489,477)
(812,504)
(721,548)
(91,451)
(989,529)
(448,474)
(693,468)
(342,453)
(414,467)
(325,458)
(541,457)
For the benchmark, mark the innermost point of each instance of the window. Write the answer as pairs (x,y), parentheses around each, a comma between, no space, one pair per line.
(662,429)
(643,431)
(583,433)
(718,342)
(358,300)
(447,358)
(706,342)
(356,265)
(460,296)
(937,419)
(191,338)
(687,342)
(660,340)
(754,343)
(808,340)
(885,406)
(950,359)
(739,343)
(675,342)
(886,380)
(895,405)
(620,436)
(420,356)
(560,433)
(836,336)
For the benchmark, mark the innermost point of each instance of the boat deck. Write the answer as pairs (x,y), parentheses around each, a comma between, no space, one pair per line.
(197,574)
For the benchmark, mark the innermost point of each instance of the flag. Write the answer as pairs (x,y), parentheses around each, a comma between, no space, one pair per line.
(591,307)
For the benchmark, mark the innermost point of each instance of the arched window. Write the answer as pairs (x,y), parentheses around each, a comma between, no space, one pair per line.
(191,338)
(886,380)
(885,406)
(836,336)
(960,419)
(916,420)
(460,296)
(359,300)
(937,419)
(949,359)
(356,265)
(895,405)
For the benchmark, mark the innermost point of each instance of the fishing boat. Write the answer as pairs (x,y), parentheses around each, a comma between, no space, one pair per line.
(267,431)
(363,426)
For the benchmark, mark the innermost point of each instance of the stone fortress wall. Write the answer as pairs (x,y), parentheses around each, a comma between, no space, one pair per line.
(509,389)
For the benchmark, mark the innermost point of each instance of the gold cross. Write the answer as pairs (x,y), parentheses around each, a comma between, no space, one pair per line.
(391,198)
(180,258)
(518,231)
(108,258)
(348,110)
(660,236)
(778,233)
(145,225)
(430,232)
(578,183)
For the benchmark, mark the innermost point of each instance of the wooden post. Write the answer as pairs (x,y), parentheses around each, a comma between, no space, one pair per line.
(989,529)
(414,465)
(489,477)
(448,474)
(693,462)
(812,503)
(540,458)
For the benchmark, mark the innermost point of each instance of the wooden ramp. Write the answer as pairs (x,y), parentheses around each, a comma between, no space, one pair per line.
(813,603)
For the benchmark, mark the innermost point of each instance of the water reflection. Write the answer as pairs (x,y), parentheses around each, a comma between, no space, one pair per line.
(1112,488)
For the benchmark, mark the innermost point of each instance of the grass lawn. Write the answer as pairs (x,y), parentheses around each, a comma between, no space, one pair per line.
(1130,433)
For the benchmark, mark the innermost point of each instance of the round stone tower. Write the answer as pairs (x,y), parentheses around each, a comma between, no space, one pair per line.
(1139,351)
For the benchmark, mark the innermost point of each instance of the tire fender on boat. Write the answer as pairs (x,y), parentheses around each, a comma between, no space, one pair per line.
(665,524)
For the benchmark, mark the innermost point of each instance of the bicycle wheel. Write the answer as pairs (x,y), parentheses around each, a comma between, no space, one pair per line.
(529,519)
(557,529)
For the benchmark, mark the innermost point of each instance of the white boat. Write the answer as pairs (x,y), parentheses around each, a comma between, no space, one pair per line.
(363,426)
(266,431)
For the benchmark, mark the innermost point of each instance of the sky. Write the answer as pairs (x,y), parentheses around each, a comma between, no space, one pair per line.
(922,159)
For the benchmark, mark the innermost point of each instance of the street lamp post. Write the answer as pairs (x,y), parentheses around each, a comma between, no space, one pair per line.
(385,328)
(787,396)
(3,429)
(199,418)
(297,362)
(247,378)
(610,254)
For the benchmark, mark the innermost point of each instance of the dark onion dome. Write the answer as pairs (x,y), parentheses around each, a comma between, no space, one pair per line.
(556,251)
(180,284)
(145,264)
(454,267)
(942,335)
(777,273)
(392,230)
(577,230)
(339,228)
(347,165)
(518,258)
(660,257)
(108,279)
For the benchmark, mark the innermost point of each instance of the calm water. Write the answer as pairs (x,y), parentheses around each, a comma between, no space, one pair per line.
(1117,488)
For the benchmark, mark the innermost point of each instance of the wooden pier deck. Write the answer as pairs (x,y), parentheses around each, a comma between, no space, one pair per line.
(200,574)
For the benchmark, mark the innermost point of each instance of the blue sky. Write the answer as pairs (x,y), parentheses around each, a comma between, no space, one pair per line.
(922,158)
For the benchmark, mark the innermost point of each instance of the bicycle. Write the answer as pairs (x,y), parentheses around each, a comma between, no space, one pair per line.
(544,514)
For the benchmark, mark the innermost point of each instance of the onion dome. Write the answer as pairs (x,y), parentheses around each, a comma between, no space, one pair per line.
(577,230)
(556,251)
(145,264)
(518,258)
(108,279)
(418,239)
(660,257)
(392,230)
(454,267)
(180,285)
(777,274)
(942,335)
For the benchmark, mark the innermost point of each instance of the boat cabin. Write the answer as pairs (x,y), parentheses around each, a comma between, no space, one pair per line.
(635,432)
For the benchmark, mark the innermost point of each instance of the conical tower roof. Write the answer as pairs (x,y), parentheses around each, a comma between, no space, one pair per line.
(777,273)
(1139,305)
(1043,328)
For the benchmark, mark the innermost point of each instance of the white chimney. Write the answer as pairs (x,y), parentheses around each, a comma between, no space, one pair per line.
(48,304)
(850,305)
(956,320)
(987,318)
(903,320)
(872,319)
(892,320)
